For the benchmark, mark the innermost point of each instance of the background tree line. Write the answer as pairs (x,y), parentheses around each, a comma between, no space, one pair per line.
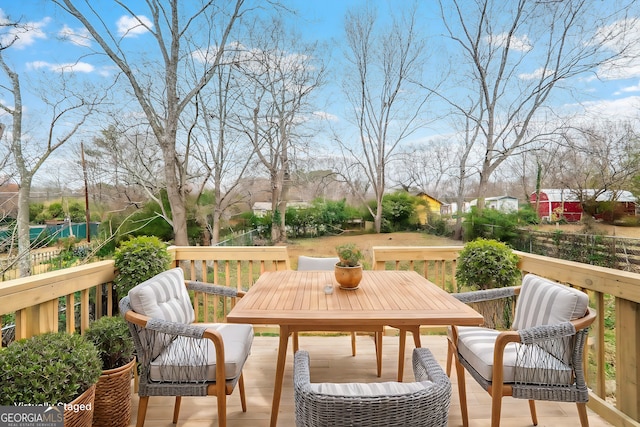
(226,93)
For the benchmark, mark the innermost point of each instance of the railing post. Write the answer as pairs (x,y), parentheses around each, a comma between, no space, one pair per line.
(40,318)
(627,350)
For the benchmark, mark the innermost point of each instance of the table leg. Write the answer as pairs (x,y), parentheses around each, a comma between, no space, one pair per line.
(378,340)
(401,346)
(416,337)
(277,387)
(415,331)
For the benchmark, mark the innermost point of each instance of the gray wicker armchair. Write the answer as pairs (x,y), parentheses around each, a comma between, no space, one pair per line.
(422,403)
(178,357)
(541,358)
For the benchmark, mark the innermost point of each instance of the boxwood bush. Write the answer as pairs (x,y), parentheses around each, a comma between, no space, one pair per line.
(487,264)
(113,340)
(137,260)
(51,368)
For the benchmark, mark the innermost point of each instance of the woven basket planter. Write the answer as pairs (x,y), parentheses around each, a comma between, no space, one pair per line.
(113,397)
(83,416)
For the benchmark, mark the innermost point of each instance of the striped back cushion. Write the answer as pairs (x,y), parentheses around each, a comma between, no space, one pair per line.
(164,296)
(543,302)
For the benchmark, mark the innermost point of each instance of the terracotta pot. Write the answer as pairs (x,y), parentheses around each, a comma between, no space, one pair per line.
(113,397)
(348,277)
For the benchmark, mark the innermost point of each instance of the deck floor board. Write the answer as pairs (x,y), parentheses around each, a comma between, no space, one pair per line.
(331,361)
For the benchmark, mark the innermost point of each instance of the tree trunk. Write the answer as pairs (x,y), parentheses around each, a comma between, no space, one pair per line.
(215,230)
(175,193)
(275,206)
(377,220)
(24,242)
(482,191)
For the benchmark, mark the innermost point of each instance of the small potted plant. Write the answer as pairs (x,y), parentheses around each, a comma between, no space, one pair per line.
(113,340)
(348,270)
(51,369)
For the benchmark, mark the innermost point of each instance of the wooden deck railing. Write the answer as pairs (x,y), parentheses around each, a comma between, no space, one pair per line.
(234,266)
(37,300)
(436,263)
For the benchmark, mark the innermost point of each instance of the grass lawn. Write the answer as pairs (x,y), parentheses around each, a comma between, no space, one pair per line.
(325,246)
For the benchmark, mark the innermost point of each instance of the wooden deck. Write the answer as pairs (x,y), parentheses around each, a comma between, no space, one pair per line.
(331,360)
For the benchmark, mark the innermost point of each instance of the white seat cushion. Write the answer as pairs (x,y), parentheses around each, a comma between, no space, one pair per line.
(164,296)
(192,360)
(534,364)
(369,389)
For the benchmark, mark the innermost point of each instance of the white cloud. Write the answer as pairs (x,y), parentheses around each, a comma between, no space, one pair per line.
(537,74)
(326,116)
(632,88)
(623,35)
(74,67)
(129,26)
(24,35)
(617,109)
(516,43)
(78,37)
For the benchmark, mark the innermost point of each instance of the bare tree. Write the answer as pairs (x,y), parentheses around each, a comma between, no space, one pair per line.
(425,167)
(281,74)
(223,153)
(67,114)
(385,103)
(514,55)
(125,165)
(599,158)
(164,95)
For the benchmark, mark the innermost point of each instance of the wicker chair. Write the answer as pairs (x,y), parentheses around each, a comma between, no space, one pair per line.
(307,263)
(541,358)
(177,357)
(422,403)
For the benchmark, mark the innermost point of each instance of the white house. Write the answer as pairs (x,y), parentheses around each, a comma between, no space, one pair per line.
(499,203)
(260,209)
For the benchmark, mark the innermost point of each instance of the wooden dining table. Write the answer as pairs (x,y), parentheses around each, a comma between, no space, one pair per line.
(302,301)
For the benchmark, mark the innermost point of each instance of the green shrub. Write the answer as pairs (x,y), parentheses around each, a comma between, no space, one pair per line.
(439,227)
(77,212)
(487,264)
(51,368)
(113,340)
(55,211)
(137,260)
(35,209)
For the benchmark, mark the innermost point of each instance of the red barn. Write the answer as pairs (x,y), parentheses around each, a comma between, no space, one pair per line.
(558,203)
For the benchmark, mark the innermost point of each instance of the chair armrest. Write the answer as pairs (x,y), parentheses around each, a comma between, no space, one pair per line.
(486,295)
(426,368)
(537,334)
(174,328)
(211,289)
(534,335)
(301,376)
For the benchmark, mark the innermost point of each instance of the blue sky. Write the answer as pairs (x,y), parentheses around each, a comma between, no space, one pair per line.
(57,40)
(45,48)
